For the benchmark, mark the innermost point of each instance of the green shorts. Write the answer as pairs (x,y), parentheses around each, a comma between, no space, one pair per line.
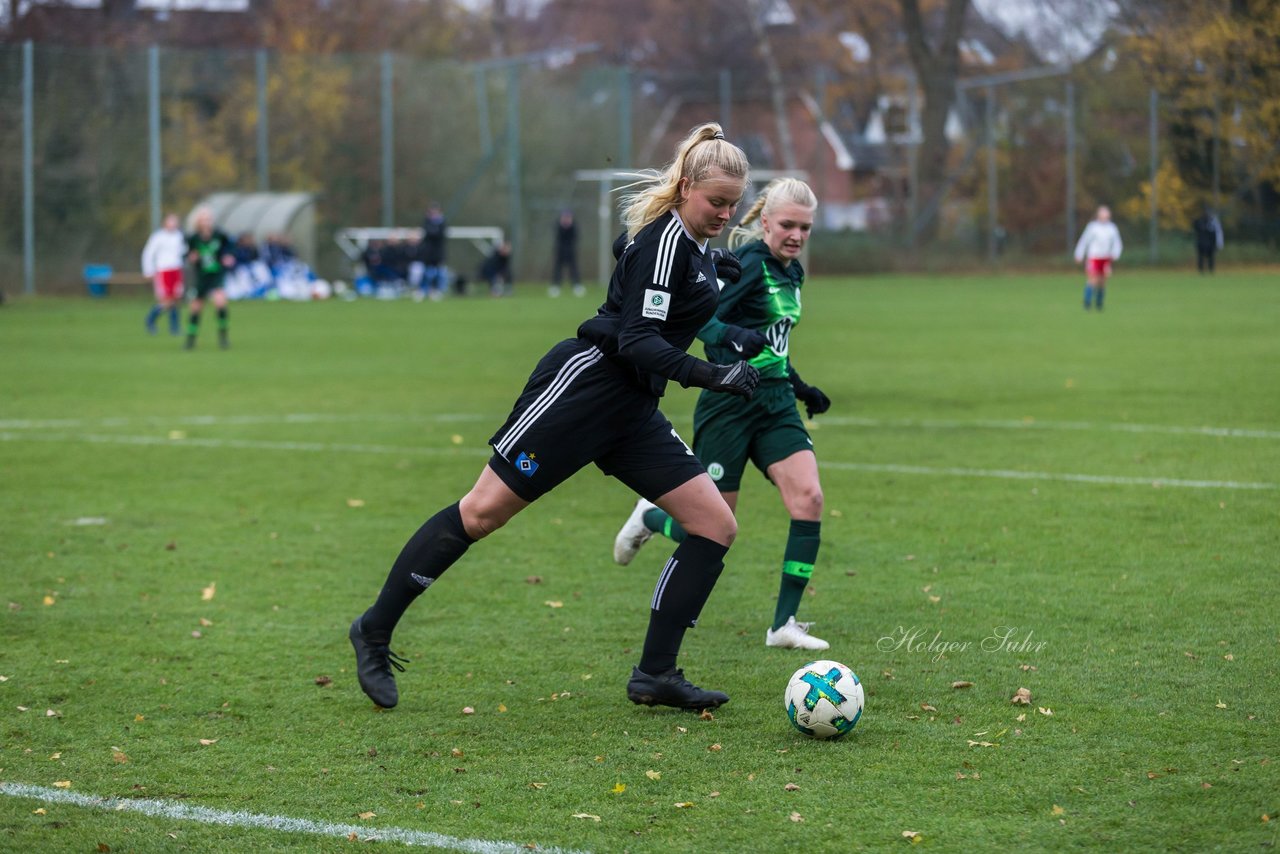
(728,431)
(207,283)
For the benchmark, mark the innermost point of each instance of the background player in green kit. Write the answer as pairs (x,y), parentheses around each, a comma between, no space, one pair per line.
(210,252)
(753,322)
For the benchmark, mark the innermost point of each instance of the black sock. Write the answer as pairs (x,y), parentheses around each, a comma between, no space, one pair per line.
(222,320)
(435,547)
(193,324)
(683,587)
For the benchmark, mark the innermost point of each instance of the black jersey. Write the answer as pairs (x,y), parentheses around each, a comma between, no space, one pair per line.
(663,290)
(209,251)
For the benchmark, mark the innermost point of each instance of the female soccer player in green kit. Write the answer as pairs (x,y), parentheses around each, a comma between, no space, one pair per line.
(753,323)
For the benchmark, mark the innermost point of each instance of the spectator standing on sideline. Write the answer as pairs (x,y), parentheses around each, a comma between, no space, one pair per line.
(210,252)
(496,270)
(429,267)
(1208,231)
(162,264)
(566,254)
(1099,246)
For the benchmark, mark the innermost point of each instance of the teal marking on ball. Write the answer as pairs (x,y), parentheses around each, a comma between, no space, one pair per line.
(821,686)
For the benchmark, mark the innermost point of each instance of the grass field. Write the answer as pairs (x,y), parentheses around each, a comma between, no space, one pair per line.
(186,537)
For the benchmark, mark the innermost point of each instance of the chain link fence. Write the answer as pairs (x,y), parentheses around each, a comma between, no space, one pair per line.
(121,136)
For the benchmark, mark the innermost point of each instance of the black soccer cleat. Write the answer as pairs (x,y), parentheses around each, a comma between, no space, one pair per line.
(373,667)
(671,689)
(223,341)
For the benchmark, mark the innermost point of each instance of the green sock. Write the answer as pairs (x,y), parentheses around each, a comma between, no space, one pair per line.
(659,522)
(797,568)
(193,323)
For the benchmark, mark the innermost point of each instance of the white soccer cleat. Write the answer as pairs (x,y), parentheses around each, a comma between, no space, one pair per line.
(633,535)
(794,636)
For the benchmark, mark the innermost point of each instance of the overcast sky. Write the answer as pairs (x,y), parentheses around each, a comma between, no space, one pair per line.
(1061,31)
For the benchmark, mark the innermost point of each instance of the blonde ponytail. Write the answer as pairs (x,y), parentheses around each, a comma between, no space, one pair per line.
(700,154)
(779,191)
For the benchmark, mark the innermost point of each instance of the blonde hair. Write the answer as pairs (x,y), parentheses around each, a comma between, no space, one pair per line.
(778,192)
(698,156)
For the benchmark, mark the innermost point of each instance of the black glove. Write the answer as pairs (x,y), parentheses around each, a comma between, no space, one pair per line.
(620,245)
(739,378)
(747,343)
(815,402)
(728,267)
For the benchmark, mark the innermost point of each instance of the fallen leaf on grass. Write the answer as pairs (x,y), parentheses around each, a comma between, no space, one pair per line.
(209,592)
(1219,705)
(714,748)
(619,788)
(467,710)
(533,579)
(49,600)
(553,603)
(22,708)
(1229,657)
(653,775)
(38,811)
(1057,810)
(537,785)
(790,787)
(53,757)
(1045,711)
(961,684)
(355,502)
(586,815)
(367,815)
(1206,785)
(796,817)
(323,681)
(706,715)
(913,836)
(1026,667)
(683,805)
(62,784)
(120,757)
(208,741)
(206,622)
(1152,775)
(927,708)
(196,633)
(1021,697)
(1021,717)
(139,718)
(52,713)
(980,743)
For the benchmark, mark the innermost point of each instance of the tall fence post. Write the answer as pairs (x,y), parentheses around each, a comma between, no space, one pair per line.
(726,101)
(991,173)
(264,150)
(482,112)
(513,155)
(1070,203)
(388,145)
(28,170)
(624,118)
(154,152)
(1154,142)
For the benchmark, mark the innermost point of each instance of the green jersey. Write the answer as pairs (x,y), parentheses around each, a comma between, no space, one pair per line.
(766,299)
(209,251)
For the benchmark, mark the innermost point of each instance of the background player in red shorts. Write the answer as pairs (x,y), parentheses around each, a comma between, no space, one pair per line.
(1099,245)
(162,263)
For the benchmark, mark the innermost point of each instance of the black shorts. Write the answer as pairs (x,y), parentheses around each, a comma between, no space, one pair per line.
(207,283)
(579,408)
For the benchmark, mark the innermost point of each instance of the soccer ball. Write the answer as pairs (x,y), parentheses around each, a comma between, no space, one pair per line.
(824,699)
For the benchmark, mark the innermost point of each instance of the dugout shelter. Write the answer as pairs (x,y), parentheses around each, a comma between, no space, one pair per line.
(291,215)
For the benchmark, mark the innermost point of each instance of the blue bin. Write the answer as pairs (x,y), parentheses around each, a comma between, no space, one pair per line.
(97,278)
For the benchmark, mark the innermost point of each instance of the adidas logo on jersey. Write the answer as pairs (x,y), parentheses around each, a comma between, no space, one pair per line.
(702,277)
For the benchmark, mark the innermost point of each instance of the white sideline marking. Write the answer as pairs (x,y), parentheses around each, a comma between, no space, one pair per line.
(215,420)
(242,444)
(331,447)
(831,420)
(207,815)
(1032,424)
(1013,474)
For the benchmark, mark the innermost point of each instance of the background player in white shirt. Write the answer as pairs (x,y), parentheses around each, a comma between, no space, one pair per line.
(1099,245)
(162,260)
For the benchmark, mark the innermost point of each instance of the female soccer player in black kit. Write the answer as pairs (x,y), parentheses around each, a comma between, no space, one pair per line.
(594,399)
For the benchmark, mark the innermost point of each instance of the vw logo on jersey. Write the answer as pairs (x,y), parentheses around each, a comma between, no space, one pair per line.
(525,464)
(716,471)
